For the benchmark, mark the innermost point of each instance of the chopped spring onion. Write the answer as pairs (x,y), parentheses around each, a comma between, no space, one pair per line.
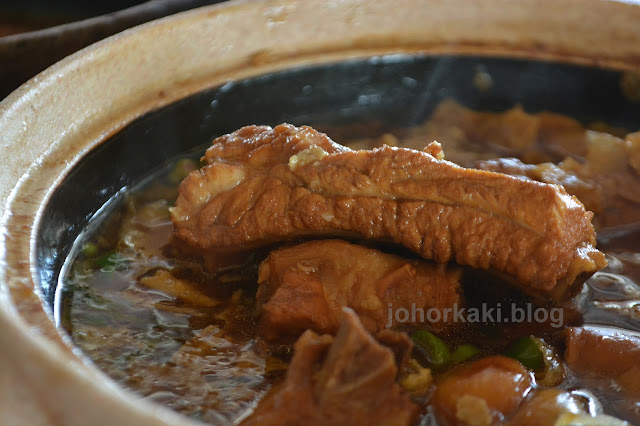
(110,261)
(527,351)
(90,250)
(434,349)
(463,353)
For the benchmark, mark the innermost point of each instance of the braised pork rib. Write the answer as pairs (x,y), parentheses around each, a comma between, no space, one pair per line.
(307,285)
(262,185)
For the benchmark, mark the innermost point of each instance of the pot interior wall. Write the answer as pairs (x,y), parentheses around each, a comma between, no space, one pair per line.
(392,91)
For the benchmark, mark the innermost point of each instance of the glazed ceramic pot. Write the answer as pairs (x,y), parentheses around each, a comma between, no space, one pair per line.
(65,147)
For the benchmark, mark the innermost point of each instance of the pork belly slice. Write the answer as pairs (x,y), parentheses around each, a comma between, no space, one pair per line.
(307,285)
(262,186)
(349,379)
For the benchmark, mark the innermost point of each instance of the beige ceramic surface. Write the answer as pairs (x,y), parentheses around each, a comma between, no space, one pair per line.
(25,54)
(49,123)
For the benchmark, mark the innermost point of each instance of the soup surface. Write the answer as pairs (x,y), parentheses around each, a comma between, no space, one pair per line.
(163,325)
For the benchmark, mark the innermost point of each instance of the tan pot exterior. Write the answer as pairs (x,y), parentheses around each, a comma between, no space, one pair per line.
(50,122)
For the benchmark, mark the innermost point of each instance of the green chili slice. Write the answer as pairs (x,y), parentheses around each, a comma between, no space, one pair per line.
(435,350)
(527,351)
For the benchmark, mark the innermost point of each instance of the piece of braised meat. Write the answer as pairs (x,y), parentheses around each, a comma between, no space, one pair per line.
(605,352)
(606,181)
(608,358)
(262,185)
(483,392)
(587,191)
(307,285)
(349,379)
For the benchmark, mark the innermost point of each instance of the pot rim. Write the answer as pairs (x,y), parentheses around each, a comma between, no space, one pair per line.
(27,53)
(52,121)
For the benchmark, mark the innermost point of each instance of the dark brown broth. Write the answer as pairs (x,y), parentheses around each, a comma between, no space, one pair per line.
(204,362)
(209,363)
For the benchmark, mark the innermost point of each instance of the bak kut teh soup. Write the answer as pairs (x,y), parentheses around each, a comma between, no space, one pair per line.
(490,277)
